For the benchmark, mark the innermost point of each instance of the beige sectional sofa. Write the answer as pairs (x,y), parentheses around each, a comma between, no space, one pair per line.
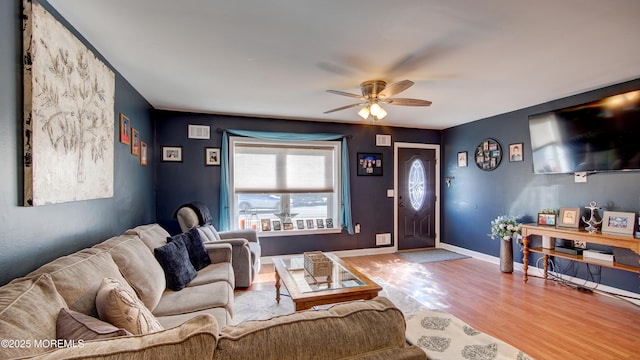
(194,322)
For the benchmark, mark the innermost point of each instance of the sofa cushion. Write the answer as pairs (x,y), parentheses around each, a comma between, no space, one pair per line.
(153,235)
(196,298)
(78,277)
(29,308)
(220,314)
(197,253)
(122,308)
(343,331)
(138,266)
(195,339)
(215,272)
(174,259)
(72,325)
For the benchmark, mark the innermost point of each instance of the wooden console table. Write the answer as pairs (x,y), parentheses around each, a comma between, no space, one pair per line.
(577,235)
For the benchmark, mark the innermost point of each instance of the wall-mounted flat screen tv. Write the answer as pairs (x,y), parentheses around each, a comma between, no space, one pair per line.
(603,135)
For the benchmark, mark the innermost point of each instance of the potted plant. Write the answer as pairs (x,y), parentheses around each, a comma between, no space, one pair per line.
(505,228)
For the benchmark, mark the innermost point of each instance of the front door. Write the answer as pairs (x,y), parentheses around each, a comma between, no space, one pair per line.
(416,205)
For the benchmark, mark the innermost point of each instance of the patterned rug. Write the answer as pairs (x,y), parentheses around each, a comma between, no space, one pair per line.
(428,256)
(440,335)
(444,336)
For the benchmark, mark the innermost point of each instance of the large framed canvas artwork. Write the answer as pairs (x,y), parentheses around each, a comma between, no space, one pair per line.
(69,120)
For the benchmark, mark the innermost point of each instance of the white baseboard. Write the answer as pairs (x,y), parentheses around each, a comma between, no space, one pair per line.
(532,270)
(476,255)
(343,253)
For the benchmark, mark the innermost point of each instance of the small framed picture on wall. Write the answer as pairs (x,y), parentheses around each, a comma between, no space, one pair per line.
(172,153)
(143,153)
(125,129)
(462,159)
(515,152)
(369,164)
(212,156)
(135,144)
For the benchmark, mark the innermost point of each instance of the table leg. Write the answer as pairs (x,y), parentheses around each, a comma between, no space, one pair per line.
(525,257)
(546,265)
(277,287)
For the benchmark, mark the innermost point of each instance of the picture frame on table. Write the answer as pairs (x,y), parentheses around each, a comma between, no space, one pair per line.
(369,164)
(266,224)
(212,156)
(569,218)
(310,224)
(300,224)
(172,153)
(462,159)
(618,223)
(547,219)
(329,223)
(320,223)
(277,225)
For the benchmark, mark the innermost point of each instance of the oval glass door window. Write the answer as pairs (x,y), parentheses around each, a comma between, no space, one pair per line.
(417,183)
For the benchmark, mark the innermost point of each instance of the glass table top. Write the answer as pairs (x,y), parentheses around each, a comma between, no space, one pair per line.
(338,278)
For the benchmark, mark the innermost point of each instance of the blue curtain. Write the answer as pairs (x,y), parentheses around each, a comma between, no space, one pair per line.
(345,208)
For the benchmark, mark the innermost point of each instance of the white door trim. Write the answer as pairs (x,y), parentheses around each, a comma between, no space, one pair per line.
(397,146)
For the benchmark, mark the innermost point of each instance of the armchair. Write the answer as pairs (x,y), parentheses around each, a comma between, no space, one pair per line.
(245,244)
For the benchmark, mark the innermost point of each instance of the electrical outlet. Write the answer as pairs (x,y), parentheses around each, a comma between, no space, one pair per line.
(357,229)
(580,177)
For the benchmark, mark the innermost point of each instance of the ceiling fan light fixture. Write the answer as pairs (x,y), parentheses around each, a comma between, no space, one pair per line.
(375,109)
(364,112)
(375,92)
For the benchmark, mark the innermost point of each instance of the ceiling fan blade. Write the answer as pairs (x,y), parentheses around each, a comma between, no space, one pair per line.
(407,102)
(395,88)
(344,107)
(346,94)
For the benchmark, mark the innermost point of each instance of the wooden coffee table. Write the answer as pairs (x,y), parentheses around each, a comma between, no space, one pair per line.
(345,283)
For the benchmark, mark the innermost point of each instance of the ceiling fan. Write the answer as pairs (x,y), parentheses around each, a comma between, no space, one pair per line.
(375,93)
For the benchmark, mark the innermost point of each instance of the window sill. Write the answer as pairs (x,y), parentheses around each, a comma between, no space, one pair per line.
(298,232)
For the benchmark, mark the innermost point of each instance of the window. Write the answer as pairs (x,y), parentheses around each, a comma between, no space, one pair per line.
(284,182)
(416,185)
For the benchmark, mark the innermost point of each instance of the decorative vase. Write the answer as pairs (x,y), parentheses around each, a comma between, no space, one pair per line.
(506,255)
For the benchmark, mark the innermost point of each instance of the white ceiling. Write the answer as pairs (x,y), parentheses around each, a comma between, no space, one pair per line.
(276,58)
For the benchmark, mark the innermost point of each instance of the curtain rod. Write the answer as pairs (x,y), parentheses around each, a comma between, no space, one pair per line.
(221,130)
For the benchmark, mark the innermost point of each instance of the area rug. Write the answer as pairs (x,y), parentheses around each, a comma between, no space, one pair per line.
(443,336)
(440,335)
(428,256)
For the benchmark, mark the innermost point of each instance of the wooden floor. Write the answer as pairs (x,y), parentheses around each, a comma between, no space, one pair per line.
(545,319)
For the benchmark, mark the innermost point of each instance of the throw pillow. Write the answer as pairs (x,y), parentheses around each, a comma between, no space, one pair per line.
(197,253)
(123,309)
(73,325)
(174,259)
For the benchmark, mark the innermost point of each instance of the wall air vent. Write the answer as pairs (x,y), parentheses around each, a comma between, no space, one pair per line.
(199,132)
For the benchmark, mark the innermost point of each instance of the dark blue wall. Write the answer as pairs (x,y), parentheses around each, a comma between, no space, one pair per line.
(31,236)
(191,180)
(476,197)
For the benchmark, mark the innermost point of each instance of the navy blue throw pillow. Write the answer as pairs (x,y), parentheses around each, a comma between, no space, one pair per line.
(174,259)
(197,253)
